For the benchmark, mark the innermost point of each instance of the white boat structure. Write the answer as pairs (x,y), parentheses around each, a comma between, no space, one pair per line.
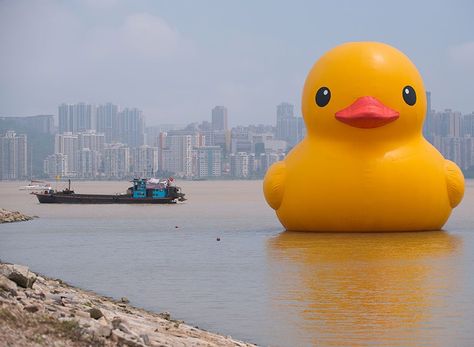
(36,185)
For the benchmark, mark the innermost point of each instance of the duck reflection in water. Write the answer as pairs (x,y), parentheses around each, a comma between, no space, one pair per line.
(363,289)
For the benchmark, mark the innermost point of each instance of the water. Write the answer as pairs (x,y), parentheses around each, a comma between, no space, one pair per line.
(258,283)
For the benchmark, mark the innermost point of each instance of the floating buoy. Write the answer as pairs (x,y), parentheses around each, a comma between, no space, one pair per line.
(218,239)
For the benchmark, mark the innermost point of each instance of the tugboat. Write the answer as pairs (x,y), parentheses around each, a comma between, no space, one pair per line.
(142,191)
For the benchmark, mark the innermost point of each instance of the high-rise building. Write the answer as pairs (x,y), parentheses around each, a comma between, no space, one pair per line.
(116,161)
(222,139)
(68,144)
(467,153)
(131,125)
(42,124)
(239,165)
(39,131)
(468,125)
(87,163)
(13,156)
(144,161)
(297,131)
(209,161)
(427,125)
(56,165)
(240,140)
(91,140)
(446,123)
(177,154)
(76,118)
(107,122)
(289,128)
(82,151)
(161,144)
(284,116)
(176,151)
(219,118)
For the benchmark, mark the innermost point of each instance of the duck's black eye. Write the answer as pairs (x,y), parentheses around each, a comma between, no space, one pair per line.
(323,95)
(409,95)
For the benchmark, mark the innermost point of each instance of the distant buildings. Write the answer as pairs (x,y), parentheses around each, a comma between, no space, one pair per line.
(209,162)
(119,126)
(289,128)
(107,122)
(82,152)
(13,156)
(427,124)
(176,152)
(116,161)
(209,150)
(239,165)
(74,118)
(144,161)
(101,141)
(40,131)
(453,135)
(56,165)
(131,127)
(219,118)
(43,124)
(67,144)
(283,116)
(109,142)
(87,163)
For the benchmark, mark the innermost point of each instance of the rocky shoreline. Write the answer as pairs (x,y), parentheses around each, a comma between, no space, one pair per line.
(38,311)
(10,217)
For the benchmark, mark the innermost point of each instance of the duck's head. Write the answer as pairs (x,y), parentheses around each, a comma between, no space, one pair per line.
(364,91)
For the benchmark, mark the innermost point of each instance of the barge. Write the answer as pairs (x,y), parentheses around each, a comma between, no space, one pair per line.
(141,192)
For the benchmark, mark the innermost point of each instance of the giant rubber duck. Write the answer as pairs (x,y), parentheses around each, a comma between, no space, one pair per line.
(364,165)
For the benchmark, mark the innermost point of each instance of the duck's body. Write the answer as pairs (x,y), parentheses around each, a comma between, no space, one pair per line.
(362,178)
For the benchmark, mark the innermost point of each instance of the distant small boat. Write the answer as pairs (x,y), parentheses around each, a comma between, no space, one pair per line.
(143,191)
(36,185)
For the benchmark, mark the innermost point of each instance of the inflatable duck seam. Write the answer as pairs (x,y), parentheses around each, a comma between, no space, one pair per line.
(274,184)
(455,183)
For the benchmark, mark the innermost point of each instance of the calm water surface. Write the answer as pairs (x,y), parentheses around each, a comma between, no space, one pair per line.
(258,283)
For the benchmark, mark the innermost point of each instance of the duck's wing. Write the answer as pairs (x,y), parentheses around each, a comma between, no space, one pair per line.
(455,183)
(274,184)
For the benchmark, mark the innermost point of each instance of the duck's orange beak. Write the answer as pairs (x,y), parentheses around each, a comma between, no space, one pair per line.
(367,112)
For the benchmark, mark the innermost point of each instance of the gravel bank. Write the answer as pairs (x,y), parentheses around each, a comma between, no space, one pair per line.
(10,217)
(38,311)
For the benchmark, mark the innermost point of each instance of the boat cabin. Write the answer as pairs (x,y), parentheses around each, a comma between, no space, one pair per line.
(141,190)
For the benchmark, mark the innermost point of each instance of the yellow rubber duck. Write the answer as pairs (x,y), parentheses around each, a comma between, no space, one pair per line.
(364,164)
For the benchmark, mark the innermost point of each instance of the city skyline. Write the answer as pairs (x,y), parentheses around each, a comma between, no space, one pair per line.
(112,142)
(165,58)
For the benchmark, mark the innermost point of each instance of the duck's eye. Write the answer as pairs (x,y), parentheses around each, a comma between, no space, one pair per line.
(323,95)
(409,95)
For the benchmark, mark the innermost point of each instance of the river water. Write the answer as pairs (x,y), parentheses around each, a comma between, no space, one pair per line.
(257,283)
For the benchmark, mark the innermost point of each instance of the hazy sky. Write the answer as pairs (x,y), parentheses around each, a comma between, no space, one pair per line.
(178,59)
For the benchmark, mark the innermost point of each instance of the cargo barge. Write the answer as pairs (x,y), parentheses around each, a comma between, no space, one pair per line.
(141,192)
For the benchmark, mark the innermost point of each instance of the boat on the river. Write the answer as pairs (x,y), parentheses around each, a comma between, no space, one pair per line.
(36,185)
(142,191)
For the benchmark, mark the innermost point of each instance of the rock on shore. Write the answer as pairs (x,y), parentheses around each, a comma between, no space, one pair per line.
(37,311)
(15,216)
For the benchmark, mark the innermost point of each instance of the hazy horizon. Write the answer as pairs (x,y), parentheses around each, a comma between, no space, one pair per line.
(176,61)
